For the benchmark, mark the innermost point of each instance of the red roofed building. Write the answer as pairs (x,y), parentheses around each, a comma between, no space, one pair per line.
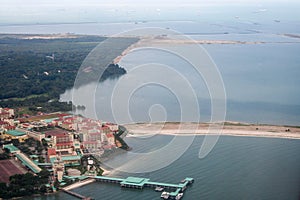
(61,140)
(6,125)
(10,127)
(67,125)
(113,127)
(51,152)
(6,113)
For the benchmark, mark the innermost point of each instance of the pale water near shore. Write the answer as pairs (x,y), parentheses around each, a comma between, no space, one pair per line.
(259,87)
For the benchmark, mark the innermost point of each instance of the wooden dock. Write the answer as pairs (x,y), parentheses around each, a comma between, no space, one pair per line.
(79,196)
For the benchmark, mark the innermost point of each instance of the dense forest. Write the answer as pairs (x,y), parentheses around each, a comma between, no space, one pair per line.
(34,72)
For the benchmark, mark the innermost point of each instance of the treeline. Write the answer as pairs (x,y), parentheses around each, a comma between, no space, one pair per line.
(34,71)
(43,66)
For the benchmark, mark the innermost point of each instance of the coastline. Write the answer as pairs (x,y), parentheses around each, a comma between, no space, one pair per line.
(79,184)
(229,129)
(148,41)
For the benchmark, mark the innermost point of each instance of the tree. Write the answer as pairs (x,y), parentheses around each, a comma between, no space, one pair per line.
(44,142)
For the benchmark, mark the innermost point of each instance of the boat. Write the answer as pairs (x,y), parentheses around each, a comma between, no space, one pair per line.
(165,195)
(179,196)
(159,189)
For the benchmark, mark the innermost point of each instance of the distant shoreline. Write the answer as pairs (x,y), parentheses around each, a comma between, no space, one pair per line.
(229,129)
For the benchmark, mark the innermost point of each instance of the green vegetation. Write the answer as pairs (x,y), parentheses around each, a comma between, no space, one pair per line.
(25,184)
(30,147)
(34,72)
(4,156)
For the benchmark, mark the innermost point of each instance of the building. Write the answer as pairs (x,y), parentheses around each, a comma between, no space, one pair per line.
(6,113)
(91,144)
(35,135)
(60,140)
(113,127)
(14,134)
(11,148)
(58,168)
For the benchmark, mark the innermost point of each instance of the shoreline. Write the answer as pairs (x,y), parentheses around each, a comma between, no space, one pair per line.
(79,184)
(148,41)
(229,129)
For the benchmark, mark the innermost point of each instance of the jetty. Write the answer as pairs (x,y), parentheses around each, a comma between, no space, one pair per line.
(140,183)
(79,196)
(85,181)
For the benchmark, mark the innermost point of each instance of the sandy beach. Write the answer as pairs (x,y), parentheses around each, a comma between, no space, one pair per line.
(150,41)
(229,128)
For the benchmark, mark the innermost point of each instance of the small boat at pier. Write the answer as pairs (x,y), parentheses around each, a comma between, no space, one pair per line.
(165,195)
(159,189)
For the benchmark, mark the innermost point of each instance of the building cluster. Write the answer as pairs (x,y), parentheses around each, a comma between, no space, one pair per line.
(6,119)
(68,137)
(8,126)
(6,113)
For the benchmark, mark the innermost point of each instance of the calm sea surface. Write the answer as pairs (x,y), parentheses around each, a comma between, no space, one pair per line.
(261,83)
(237,168)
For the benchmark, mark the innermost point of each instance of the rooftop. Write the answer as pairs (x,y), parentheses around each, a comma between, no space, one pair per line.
(51,151)
(135,181)
(50,119)
(66,158)
(26,161)
(56,132)
(11,148)
(15,133)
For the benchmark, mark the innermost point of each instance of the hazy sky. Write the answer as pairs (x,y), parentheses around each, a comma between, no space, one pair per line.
(130,2)
(52,11)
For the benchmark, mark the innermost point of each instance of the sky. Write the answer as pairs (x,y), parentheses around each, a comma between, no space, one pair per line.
(69,11)
(131,2)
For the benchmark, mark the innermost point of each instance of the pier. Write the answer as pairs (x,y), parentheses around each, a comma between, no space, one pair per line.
(79,196)
(68,189)
(136,183)
(140,183)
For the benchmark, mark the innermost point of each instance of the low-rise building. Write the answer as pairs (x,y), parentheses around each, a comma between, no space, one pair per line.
(35,135)
(14,134)
(60,140)
(6,113)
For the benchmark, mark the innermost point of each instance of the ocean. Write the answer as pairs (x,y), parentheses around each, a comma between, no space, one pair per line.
(237,168)
(261,83)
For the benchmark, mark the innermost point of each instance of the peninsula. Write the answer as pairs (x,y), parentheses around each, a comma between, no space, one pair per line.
(229,128)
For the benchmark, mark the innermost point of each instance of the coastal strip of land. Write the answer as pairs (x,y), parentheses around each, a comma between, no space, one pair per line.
(148,41)
(229,128)
(154,41)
